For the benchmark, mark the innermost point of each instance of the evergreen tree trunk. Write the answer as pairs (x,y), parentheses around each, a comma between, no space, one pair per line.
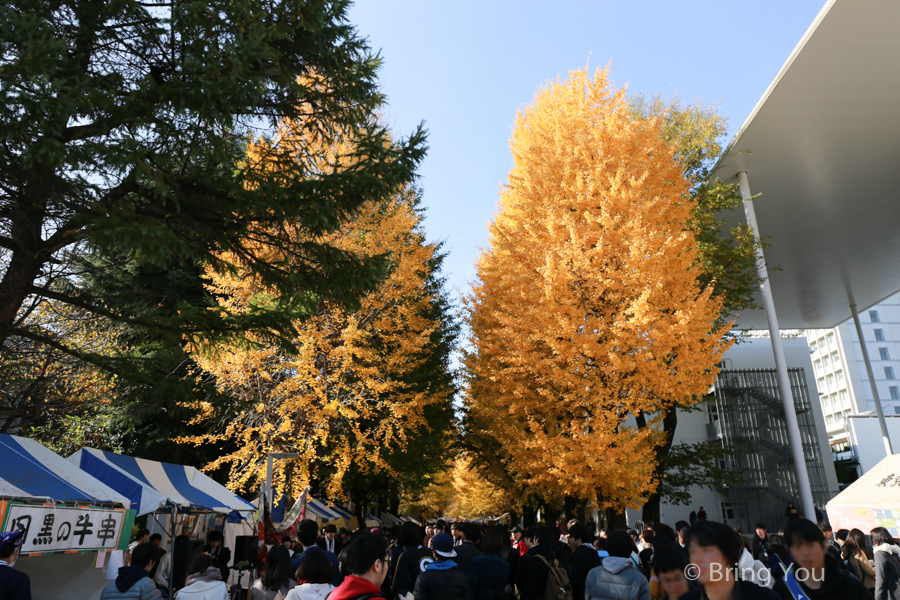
(615,519)
(651,511)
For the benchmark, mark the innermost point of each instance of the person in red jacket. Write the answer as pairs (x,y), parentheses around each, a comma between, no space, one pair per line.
(518,542)
(367,560)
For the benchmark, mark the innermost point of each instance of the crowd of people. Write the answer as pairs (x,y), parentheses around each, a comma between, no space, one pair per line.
(705,560)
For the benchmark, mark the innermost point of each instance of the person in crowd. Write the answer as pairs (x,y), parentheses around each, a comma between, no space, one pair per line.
(141,537)
(132,582)
(429,533)
(466,549)
(817,573)
(840,536)
(442,579)
(661,541)
(288,543)
(692,517)
(887,564)
(534,567)
(412,561)
(864,554)
(14,584)
(701,514)
(457,533)
(791,512)
(636,538)
(779,557)
(155,540)
(669,567)
(518,542)
(833,547)
(583,558)
(307,533)
(490,573)
(278,576)
(367,562)
(858,564)
(331,541)
(714,550)
(646,554)
(600,547)
(616,578)
(759,544)
(345,535)
(204,581)
(313,578)
(219,554)
(591,525)
(681,529)
(602,533)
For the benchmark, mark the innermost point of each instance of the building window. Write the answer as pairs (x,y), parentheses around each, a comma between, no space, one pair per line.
(830,338)
(826,361)
(879,335)
(840,378)
(818,365)
(884,354)
(830,379)
(820,383)
(897,410)
(895,392)
(889,372)
(843,396)
(812,346)
(873,316)
(829,419)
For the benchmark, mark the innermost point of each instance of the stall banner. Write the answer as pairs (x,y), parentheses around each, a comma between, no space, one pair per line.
(864,518)
(52,528)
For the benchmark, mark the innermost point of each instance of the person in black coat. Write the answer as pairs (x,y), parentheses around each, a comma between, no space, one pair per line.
(583,558)
(331,542)
(442,579)
(817,572)
(714,549)
(466,550)
(532,572)
(219,554)
(14,585)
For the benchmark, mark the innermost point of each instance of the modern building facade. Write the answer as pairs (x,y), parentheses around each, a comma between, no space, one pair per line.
(744,413)
(840,372)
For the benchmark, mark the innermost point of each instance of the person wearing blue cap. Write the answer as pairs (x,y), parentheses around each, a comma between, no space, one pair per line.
(442,579)
(14,585)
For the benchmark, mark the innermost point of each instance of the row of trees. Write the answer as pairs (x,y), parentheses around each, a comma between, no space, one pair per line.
(211,248)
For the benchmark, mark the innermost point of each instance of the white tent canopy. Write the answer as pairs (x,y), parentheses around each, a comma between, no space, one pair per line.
(871,501)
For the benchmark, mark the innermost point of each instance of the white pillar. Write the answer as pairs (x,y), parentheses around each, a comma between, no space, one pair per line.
(784,383)
(862,344)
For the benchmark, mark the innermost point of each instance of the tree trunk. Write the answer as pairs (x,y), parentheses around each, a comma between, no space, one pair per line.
(570,509)
(615,519)
(529,515)
(652,511)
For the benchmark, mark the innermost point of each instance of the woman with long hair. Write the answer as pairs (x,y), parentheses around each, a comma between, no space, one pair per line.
(887,564)
(778,556)
(489,574)
(860,560)
(276,579)
(204,581)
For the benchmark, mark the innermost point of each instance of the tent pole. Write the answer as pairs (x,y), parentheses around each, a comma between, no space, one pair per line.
(784,382)
(865,352)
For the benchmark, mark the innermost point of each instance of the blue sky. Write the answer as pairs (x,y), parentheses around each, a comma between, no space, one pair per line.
(464,67)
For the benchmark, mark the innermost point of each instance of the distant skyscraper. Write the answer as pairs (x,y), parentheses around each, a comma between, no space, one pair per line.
(841,373)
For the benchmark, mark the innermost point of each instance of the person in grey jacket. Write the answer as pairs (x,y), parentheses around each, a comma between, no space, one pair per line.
(887,565)
(134,583)
(616,578)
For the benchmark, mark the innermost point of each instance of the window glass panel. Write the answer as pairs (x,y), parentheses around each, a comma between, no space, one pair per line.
(895,392)
(879,335)
(889,372)
(883,352)
(873,316)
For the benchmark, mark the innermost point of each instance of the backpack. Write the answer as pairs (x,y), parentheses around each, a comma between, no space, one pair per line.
(558,586)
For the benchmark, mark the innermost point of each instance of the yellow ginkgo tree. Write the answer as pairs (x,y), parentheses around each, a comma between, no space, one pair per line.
(586,309)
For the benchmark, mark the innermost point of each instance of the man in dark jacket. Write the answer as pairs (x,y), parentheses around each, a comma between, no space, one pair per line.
(331,541)
(714,549)
(759,545)
(532,572)
(219,554)
(583,558)
(442,579)
(818,574)
(14,585)
(466,550)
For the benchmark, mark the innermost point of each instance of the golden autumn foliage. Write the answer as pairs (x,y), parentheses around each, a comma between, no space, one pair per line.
(586,308)
(340,399)
(461,491)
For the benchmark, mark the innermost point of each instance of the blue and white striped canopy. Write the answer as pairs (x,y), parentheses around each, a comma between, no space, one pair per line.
(29,471)
(153,485)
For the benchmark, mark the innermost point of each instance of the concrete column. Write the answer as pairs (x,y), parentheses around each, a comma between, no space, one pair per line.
(784,383)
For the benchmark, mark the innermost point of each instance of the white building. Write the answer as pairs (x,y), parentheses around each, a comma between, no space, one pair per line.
(769,472)
(840,372)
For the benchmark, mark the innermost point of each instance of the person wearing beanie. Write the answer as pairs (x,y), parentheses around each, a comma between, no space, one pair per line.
(14,585)
(442,579)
